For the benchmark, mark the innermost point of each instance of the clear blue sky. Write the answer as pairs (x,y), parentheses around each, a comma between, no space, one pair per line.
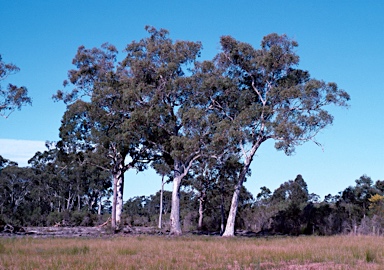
(340,41)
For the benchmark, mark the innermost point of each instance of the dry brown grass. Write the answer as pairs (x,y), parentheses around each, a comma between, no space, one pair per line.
(194,252)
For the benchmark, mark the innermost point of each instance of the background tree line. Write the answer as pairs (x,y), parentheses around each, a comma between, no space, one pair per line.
(51,192)
(197,123)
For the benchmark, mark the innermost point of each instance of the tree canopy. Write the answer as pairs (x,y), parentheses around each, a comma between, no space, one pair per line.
(12,97)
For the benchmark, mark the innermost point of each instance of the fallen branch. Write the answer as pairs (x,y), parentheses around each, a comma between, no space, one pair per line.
(105,223)
(8,228)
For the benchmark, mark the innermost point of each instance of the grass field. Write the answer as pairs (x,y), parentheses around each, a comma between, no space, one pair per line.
(193,252)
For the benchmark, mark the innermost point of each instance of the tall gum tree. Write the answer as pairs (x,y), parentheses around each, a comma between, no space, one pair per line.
(178,129)
(265,96)
(98,116)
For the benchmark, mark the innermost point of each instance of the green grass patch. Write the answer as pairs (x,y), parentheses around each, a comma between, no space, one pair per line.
(127,251)
(2,248)
(370,256)
(76,250)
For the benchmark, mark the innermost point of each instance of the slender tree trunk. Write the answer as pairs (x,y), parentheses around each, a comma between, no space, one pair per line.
(230,227)
(201,210)
(68,201)
(118,186)
(78,191)
(79,202)
(114,202)
(119,205)
(99,206)
(222,209)
(161,202)
(91,201)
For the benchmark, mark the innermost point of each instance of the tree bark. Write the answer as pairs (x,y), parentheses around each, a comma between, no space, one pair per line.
(201,210)
(119,204)
(175,210)
(79,202)
(180,170)
(230,227)
(99,206)
(114,201)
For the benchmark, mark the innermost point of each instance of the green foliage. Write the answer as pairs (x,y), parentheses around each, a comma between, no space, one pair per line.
(290,210)
(12,98)
(51,190)
(268,98)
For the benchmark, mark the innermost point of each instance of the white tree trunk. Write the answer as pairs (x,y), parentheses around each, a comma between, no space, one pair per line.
(114,202)
(180,170)
(119,205)
(248,157)
(118,185)
(201,212)
(175,210)
(230,227)
(201,209)
(161,203)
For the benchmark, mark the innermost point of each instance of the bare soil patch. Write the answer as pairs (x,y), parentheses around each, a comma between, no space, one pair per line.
(98,231)
(79,231)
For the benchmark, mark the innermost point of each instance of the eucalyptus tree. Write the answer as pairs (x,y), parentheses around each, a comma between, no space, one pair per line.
(6,162)
(266,97)
(13,97)
(91,183)
(98,117)
(66,181)
(177,128)
(50,177)
(354,200)
(290,199)
(364,190)
(16,184)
